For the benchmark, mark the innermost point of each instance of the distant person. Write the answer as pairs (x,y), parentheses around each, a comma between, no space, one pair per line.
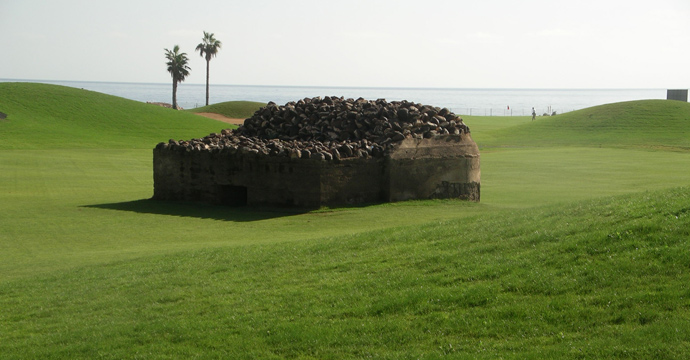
(534,114)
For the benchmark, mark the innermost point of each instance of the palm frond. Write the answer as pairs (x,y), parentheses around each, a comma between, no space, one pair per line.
(178,63)
(209,46)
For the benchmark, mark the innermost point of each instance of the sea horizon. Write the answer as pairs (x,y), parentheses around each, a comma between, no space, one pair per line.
(462,101)
(331,86)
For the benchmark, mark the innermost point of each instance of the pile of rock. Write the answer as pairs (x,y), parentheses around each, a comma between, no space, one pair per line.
(330,128)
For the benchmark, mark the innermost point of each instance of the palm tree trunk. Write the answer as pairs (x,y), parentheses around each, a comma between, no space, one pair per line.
(208,61)
(174,100)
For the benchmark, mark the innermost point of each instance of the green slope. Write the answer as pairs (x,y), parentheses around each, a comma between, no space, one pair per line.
(601,279)
(663,124)
(42,116)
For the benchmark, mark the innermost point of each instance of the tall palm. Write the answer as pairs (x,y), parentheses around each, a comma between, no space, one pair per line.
(178,69)
(207,49)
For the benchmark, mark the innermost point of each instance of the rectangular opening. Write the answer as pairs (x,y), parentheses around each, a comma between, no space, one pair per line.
(677,94)
(231,195)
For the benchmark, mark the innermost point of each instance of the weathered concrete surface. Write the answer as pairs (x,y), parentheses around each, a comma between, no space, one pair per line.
(330,151)
(442,167)
(251,179)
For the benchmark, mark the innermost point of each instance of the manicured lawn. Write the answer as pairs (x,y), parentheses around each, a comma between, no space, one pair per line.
(548,265)
(598,279)
(67,208)
(533,176)
(74,207)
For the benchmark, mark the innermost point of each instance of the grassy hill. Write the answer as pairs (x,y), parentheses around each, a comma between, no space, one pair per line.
(640,124)
(576,250)
(232,109)
(42,116)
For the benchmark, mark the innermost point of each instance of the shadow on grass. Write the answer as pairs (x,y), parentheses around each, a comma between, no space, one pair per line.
(202,211)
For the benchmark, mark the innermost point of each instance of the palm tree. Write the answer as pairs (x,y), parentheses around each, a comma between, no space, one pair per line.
(178,69)
(208,48)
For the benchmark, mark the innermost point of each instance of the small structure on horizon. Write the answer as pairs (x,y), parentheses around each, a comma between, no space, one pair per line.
(677,94)
(325,152)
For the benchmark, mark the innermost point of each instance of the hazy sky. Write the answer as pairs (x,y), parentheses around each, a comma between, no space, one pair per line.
(397,43)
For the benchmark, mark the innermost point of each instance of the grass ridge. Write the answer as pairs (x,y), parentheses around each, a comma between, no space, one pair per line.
(661,124)
(44,116)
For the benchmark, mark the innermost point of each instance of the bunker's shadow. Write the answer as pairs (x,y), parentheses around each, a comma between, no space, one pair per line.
(202,211)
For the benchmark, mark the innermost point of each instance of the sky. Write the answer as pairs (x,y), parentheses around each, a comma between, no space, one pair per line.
(369,43)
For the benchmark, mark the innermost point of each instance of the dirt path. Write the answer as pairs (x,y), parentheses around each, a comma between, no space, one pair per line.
(222,118)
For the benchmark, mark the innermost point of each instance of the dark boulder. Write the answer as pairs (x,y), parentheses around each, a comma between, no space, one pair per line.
(331,128)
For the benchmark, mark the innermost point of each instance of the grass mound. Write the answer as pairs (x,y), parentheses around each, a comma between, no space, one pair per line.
(648,123)
(42,116)
(536,284)
(231,109)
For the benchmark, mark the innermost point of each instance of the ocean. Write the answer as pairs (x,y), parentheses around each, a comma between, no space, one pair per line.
(484,102)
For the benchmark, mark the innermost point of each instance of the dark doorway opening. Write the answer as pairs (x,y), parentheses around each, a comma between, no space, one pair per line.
(231,195)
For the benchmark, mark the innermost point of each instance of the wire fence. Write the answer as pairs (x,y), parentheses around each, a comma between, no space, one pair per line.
(546,111)
(506,111)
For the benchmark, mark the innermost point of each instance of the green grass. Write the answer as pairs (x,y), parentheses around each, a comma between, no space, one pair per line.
(548,265)
(663,124)
(538,284)
(526,177)
(68,208)
(42,116)
(232,109)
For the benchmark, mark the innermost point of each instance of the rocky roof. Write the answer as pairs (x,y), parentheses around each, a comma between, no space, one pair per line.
(330,128)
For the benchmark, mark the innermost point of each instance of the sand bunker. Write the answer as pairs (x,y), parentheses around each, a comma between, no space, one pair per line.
(222,118)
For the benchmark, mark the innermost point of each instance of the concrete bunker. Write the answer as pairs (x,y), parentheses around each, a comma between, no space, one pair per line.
(325,152)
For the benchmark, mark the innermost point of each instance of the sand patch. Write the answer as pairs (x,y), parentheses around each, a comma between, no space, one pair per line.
(222,118)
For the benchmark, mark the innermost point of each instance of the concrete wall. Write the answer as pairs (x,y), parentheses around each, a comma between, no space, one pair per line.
(443,167)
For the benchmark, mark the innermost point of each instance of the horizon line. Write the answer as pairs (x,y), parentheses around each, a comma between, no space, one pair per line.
(337,86)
